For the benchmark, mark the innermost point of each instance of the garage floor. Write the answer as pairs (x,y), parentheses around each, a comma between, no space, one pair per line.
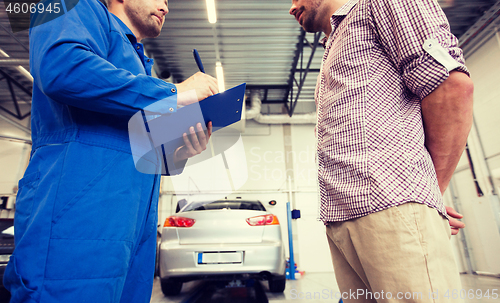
(311,288)
(321,285)
(313,282)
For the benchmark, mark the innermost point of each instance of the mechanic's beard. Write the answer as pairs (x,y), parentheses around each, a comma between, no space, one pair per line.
(148,27)
(152,31)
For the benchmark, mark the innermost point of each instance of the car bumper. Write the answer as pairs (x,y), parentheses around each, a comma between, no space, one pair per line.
(178,261)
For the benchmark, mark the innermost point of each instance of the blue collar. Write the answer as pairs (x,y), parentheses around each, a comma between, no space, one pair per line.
(126,30)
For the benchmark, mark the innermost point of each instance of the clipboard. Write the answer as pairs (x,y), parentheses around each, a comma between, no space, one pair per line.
(222,109)
(153,141)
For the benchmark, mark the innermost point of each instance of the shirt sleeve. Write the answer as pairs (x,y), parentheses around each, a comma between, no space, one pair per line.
(404,27)
(68,63)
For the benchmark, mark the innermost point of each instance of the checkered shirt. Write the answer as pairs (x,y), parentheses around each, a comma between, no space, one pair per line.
(374,75)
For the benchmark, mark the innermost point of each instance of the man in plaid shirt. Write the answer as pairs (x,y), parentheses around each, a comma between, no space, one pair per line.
(394,105)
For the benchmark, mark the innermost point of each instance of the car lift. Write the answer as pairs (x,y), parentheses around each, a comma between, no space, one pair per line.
(235,291)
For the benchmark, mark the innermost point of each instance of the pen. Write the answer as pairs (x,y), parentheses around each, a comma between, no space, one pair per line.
(198,60)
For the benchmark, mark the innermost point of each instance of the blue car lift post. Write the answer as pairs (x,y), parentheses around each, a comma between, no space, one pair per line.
(291,262)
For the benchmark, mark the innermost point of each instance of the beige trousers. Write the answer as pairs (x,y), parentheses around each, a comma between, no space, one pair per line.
(401,254)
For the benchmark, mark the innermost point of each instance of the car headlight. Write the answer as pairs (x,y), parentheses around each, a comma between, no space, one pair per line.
(4,258)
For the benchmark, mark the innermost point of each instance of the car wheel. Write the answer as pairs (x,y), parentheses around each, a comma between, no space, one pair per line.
(277,284)
(171,287)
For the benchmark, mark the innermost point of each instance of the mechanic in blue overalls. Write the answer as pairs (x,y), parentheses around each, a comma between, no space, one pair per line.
(86,218)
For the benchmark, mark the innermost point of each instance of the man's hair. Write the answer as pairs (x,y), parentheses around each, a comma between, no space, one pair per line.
(105,2)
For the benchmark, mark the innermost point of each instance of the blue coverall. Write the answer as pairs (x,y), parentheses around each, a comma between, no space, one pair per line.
(86,219)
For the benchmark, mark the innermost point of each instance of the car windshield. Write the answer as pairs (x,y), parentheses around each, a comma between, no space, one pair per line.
(224,204)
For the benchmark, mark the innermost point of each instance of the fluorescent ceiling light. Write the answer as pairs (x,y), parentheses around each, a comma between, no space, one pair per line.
(220,76)
(212,18)
(21,69)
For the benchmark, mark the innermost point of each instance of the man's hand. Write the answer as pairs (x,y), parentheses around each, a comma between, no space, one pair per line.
(204,85)
(454,223)
(194,143)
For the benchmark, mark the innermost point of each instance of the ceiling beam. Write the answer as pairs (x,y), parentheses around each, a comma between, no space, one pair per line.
(4,62)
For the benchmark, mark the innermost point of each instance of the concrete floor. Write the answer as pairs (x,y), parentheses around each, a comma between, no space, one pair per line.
(321,288)
(321,285)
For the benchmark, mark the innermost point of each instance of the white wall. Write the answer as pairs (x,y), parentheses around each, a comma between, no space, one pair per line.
(13,157)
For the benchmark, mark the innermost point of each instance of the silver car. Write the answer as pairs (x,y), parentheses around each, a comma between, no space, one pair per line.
(223,239)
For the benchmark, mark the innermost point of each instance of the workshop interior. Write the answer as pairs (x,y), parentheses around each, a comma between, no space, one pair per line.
(240,223)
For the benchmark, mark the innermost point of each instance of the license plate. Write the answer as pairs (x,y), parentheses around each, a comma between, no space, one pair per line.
(223,257)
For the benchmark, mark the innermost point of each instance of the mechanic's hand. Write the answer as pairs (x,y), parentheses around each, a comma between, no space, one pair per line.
(194,143)
(454,223)
(204,85)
